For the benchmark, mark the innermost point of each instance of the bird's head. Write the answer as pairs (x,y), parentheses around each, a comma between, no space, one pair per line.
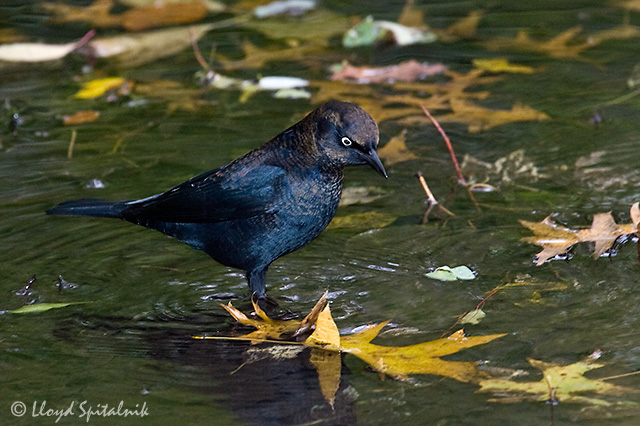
(347,135)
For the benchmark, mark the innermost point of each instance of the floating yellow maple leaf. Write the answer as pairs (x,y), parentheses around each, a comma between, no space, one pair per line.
(501,65)
(327,344)
(558,384)
(556,239)
(96,88)
(423,358)
(398,362)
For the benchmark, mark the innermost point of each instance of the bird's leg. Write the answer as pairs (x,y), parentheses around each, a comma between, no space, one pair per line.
(257,283)
(258,286)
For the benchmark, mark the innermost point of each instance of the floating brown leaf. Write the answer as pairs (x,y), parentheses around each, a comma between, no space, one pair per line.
(161,14)
(140,18)
(406,71)
(80,117)
(98,13)
(556,240)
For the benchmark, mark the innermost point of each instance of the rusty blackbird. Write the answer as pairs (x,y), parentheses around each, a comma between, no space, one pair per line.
(268,203)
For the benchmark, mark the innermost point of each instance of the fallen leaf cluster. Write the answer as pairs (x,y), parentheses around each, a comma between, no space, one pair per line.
(556,240)
(319,332)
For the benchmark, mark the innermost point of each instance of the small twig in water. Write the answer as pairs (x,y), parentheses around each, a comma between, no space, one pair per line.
(620,376)
(85,39)
(72,143)
(478,306)
(461,178)
(432,202)
(196,51)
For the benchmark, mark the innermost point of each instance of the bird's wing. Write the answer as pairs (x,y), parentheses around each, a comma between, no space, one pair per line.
(215,196)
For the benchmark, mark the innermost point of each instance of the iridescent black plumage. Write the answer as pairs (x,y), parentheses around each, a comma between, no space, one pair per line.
(268,203)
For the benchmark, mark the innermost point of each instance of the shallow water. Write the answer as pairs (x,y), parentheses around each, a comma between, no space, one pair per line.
(146,295)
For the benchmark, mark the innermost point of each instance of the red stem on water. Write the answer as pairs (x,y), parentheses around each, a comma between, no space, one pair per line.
(85,39)
(461,178)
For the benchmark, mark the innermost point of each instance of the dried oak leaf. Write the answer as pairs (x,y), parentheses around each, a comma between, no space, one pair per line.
(556,240)
(558,384)
(139,18)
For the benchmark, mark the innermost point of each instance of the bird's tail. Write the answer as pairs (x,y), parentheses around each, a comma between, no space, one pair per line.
(90,207)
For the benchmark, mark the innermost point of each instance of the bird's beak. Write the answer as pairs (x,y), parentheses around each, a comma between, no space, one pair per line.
(374,161)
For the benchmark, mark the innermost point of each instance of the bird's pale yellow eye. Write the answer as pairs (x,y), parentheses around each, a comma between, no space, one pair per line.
(346,141)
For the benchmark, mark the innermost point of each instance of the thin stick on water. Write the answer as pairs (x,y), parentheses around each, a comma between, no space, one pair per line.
(461,178)
(432,199)
(620,375)
(85,39)
(423,182)
(478,306)
(196,50)
(72,143)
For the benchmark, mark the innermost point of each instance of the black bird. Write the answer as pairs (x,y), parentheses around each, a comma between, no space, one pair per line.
(268,203)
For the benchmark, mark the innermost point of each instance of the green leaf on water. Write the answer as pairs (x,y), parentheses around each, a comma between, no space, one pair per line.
(446,273)
(41,307)
(473,317)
